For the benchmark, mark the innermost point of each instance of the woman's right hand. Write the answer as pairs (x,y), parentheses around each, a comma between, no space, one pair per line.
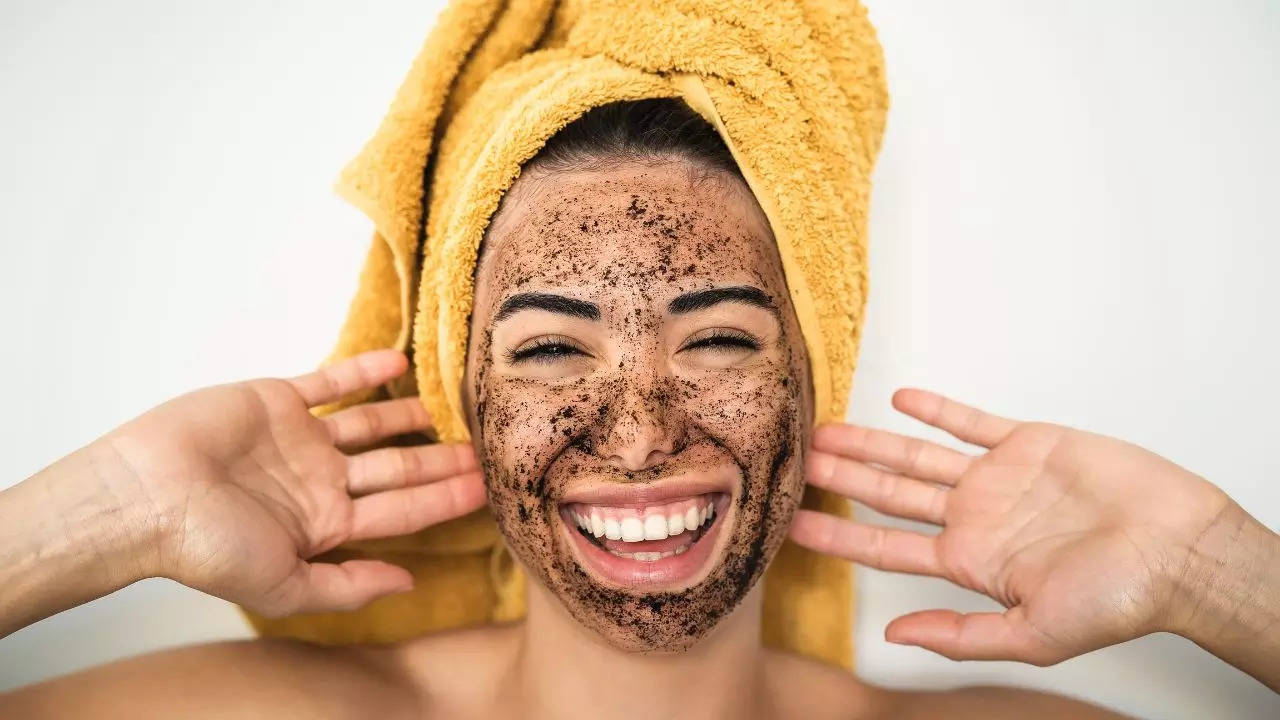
(244,485)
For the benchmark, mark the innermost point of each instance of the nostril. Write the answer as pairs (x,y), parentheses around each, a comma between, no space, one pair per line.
(635,459)
(655,457)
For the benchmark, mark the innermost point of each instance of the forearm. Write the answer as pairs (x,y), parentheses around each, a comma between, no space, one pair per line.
(77,530)
(1231,595)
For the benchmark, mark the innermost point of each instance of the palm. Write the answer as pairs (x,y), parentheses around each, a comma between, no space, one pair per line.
(273,473)
(256,485)
(1073,532)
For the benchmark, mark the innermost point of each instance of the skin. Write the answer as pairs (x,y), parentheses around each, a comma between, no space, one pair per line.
(642,392)
(1086,540)
(234,489)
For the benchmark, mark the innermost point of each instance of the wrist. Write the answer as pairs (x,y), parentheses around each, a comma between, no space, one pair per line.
(139,521)
(1223,591)
(72,532)
(104,515)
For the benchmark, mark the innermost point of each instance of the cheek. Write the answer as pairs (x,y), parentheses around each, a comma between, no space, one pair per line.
(737,402)
(526,425)
(758,415)
(750,411)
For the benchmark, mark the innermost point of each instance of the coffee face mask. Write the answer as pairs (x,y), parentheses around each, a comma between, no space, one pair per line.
(639,394)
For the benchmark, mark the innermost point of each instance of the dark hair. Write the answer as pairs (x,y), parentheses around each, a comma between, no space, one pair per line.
(648,130)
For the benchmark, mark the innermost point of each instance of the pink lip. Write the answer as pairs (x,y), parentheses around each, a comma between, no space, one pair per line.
(639,495)
(669,574)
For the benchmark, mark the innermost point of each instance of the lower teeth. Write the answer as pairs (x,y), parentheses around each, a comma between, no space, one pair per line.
(651,556)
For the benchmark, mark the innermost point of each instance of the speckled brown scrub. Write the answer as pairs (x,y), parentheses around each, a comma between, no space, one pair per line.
(555,399)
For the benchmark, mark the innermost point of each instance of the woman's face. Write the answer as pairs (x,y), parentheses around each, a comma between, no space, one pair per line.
(639,394)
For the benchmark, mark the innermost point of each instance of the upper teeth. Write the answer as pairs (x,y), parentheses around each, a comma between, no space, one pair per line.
(657,522)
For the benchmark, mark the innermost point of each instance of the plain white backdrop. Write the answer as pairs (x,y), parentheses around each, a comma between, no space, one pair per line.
(1075,219)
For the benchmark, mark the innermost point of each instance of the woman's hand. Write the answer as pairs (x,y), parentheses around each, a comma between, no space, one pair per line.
(244,485)
(1087,540)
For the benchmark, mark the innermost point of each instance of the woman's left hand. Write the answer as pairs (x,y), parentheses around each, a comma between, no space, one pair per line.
(1084,538)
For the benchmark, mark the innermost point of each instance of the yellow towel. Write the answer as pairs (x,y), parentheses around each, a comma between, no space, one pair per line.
(797,90)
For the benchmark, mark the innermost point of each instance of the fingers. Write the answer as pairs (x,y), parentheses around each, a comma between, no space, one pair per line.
(400,512)
(967,423)
(883,491)
(363,371)
(322,587)
(973,636)
(878,547)
(910,456)
(392,468)
(365,424)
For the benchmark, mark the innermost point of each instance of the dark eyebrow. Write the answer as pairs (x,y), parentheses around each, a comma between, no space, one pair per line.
(550,303)
(703,299)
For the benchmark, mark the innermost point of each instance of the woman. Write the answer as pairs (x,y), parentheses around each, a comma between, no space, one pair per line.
(640,406)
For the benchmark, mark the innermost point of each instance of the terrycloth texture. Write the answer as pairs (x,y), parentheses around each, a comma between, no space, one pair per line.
(797,90)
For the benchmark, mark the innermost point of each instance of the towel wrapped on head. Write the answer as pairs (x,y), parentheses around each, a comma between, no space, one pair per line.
(796,89)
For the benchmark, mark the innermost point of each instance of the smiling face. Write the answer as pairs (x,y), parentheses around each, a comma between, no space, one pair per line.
(639,394)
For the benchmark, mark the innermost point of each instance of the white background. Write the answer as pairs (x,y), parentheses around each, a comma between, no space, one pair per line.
(1074,220)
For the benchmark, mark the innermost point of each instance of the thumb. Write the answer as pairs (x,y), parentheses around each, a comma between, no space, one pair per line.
(328,587)
(974,636)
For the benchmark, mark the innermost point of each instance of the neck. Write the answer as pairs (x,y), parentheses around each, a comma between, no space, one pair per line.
(566,670)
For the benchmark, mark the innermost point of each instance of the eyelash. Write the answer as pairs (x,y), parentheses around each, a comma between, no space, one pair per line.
(722,340)
(544,349)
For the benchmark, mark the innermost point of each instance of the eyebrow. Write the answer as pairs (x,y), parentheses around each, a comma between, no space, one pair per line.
(703,299)
(548,302)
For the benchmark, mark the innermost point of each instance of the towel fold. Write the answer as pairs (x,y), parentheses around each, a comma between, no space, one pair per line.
(797,90)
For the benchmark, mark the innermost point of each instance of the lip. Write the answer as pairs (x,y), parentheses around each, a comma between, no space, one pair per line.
(669,574)
(640,495)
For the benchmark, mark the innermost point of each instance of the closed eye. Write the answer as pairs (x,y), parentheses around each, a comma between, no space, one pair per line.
(544,349)
(722,340)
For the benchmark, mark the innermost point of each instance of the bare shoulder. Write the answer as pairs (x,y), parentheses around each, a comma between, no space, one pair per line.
(993,701)
(805,688)
(249,678)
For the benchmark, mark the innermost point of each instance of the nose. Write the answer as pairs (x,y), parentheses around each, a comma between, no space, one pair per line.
(641,429)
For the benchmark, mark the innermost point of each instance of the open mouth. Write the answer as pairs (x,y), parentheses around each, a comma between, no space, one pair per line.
(656,545)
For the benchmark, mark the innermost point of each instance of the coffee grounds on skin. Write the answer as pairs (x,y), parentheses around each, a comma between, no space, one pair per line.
(628,239)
